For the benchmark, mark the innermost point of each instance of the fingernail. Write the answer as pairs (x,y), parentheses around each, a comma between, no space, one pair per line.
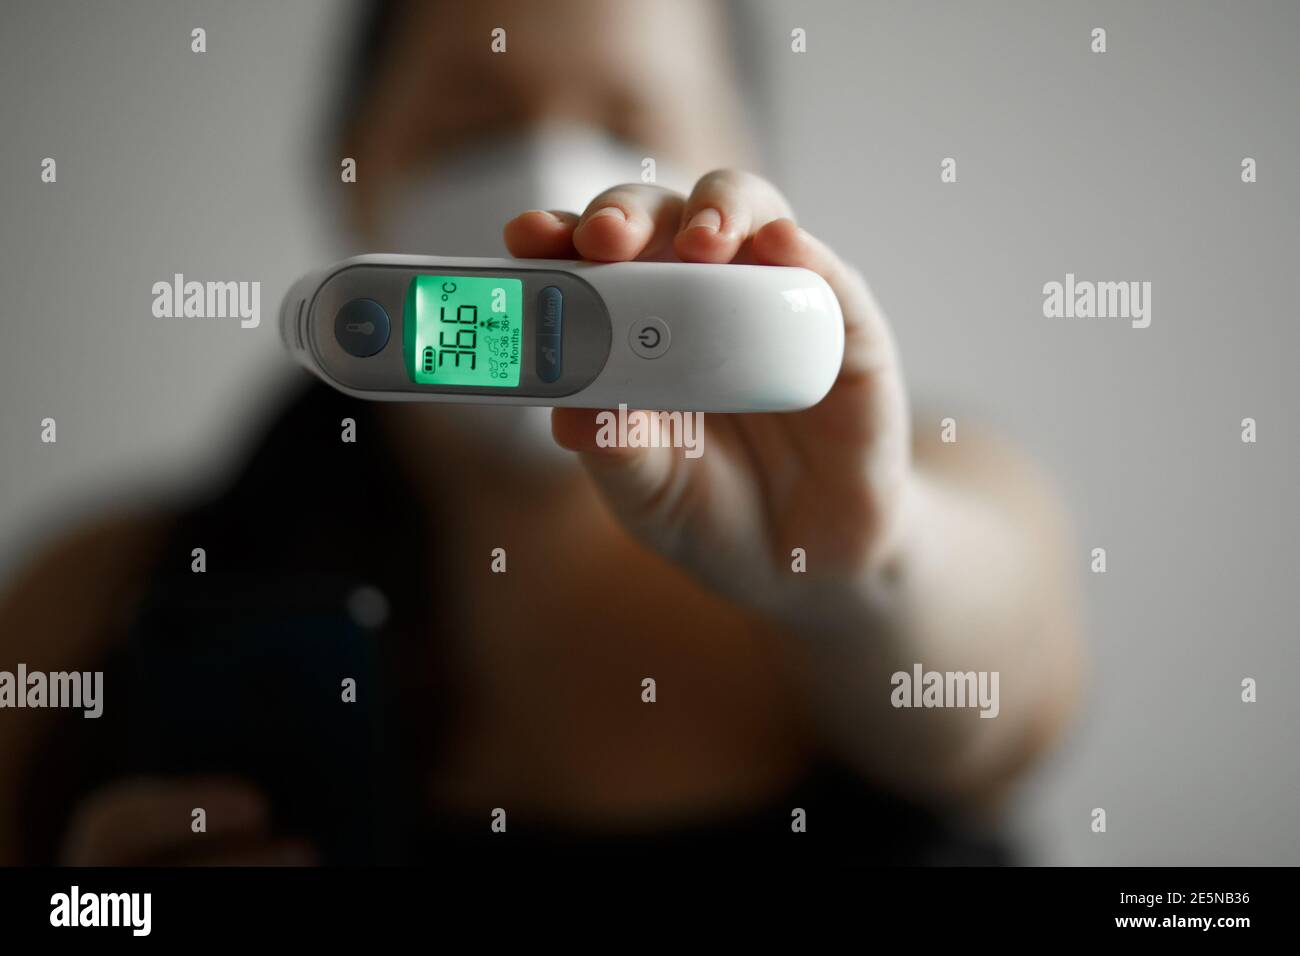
(544,212)
(709,219)
(608,212)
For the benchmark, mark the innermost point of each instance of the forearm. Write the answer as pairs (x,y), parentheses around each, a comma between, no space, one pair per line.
(977,583)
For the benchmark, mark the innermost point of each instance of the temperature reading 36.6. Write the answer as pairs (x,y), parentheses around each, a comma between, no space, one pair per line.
(467,330)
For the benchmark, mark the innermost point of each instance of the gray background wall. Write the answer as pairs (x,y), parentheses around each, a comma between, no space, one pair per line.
(1117,166)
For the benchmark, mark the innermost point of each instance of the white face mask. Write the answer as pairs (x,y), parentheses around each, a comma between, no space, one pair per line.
(460,209)
(461,206)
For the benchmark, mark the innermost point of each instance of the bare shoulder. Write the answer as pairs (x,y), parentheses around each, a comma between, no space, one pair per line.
(979,459)
(52,608)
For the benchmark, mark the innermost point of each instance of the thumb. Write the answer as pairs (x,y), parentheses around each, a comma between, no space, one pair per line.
(647,488)
(703,513)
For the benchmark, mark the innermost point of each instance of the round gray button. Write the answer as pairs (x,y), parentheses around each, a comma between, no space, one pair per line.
(361,327)
(649,338)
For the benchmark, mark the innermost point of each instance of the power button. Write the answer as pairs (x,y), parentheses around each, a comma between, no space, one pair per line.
(649,338)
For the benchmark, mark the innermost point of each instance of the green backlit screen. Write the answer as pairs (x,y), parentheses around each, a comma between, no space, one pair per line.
(468,330)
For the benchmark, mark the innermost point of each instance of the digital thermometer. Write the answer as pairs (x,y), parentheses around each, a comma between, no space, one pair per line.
(657,335)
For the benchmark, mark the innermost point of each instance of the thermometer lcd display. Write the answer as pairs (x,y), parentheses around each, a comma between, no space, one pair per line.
(468,330)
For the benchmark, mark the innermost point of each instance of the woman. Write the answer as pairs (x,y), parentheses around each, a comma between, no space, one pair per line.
(347,679)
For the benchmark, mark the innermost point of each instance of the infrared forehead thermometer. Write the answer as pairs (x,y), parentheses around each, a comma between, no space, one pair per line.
(660,335)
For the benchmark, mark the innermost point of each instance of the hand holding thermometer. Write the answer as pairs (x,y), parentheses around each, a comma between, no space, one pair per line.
(659,335)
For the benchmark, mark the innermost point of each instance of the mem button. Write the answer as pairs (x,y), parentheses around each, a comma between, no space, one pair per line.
(550,331)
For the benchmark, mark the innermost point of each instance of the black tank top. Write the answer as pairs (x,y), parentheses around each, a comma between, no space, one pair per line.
(313,577)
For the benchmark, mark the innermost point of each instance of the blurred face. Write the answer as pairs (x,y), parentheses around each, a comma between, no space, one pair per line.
(653,73)
(453,140)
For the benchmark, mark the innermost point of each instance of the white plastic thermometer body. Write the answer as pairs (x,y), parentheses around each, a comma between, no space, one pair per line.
(656,335)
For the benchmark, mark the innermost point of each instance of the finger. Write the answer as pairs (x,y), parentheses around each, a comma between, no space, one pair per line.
(140,818)
(576,429)
(724,210)
(868,402)
(541,234)
(632,221)
(868,341)
(648,488)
